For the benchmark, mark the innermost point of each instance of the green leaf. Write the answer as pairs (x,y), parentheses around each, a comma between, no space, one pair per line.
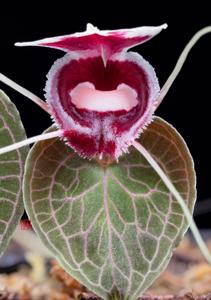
(113,228)
(11,170)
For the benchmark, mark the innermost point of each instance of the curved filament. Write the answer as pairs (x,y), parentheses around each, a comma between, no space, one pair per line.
(180,63)
(201,244)
(24,92)
(37,138)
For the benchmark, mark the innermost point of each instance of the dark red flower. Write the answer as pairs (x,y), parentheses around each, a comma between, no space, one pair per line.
(101,95)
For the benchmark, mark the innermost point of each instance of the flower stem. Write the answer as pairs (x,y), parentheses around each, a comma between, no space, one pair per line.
(24,92)
(180,63)
(41,137)
(180,200)
(29,241)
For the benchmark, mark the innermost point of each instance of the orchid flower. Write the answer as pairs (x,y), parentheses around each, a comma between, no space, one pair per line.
(102,97)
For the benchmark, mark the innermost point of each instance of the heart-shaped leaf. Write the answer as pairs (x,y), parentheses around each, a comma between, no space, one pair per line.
(11,170)
(113,226)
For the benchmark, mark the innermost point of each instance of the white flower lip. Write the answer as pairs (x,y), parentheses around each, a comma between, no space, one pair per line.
(85,96)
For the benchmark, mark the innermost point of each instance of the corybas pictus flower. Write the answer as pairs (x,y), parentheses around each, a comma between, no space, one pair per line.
(101,97)
(99,94)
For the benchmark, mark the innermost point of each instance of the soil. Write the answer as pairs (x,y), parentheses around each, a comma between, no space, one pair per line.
(31,277)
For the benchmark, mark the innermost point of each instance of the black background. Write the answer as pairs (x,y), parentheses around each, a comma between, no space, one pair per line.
(187,105)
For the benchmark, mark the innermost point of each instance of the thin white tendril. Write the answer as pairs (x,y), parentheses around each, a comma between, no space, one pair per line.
(180,63)
(41,137)
(178,197)
(24,92)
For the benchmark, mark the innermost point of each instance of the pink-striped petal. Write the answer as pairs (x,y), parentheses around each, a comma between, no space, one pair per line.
(104,42)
